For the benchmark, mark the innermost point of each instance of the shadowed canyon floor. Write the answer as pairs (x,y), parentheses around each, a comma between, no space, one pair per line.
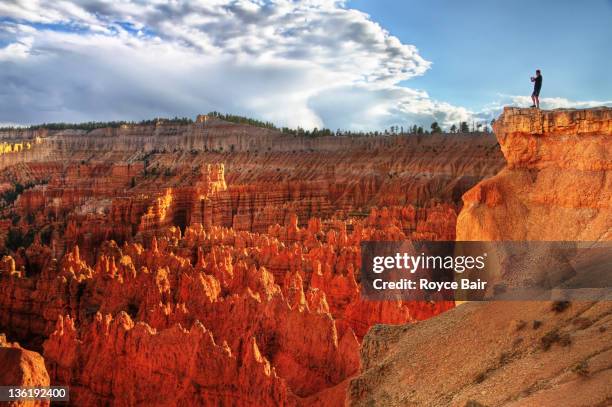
(217,264)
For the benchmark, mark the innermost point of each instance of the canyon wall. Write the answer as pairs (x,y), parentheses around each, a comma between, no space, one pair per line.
(211,134)
(23,148)
(215,263)
(555,186)
(222,260)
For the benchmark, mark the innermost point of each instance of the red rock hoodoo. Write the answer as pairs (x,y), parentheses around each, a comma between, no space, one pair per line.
(214,263)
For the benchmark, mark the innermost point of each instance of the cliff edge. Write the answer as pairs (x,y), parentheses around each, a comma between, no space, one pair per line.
(557,185)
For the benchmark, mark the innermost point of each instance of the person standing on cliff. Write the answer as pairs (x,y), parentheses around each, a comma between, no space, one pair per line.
(537,85)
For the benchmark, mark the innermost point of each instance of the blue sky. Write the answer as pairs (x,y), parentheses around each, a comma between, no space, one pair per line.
(355,64)
(479,49)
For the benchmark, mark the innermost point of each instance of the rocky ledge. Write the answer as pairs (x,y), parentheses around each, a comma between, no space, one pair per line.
(565,138)
(556,184)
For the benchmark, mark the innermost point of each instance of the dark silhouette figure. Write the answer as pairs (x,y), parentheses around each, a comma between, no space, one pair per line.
(537,85)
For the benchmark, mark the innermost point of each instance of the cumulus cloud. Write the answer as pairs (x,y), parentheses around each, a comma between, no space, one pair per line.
(360,107)
(285,61)
(16,50)
(307,63)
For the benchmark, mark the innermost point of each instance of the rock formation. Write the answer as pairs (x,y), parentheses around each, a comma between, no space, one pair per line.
(22,368)
(556,186)
(120,362)
(213,263)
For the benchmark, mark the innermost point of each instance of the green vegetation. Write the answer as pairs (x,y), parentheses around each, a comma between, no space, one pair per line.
(435,128)
(16,239)
(300,132)
(11,195)
(88,126)
(232,118)
(582,368)
(46,234)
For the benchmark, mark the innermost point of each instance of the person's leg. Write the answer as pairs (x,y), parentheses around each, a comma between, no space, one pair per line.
(533,100)
(537,101)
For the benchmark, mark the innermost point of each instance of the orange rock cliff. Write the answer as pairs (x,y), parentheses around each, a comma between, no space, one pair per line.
(555,186)
(556,180)
(217,264)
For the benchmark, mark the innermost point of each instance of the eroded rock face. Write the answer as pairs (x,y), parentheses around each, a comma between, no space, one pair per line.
(565,138)
(22,368)
(121,362)
(307,326)
(556,186)
(214,258)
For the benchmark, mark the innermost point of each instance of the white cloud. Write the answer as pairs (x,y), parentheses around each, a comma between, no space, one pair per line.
(365,108)
(282,61)
(493,109)
(558,103)
(308,63)
(17,50)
